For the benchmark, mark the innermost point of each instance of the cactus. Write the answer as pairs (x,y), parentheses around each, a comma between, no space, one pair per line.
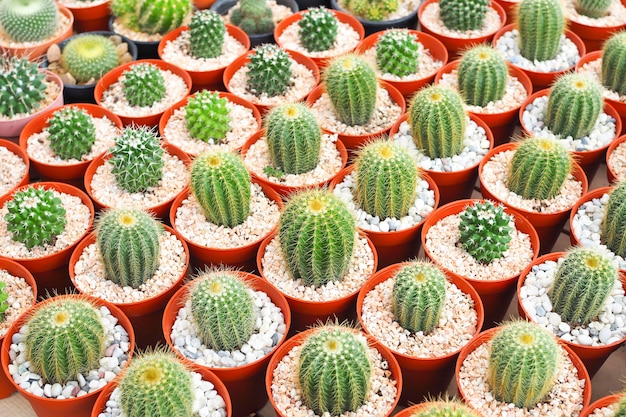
(22,86)
(4,304)
(128,241)
(375,10)
(137,159)
(28,20)
(72,133)
(593,8)
(574,104)
(318,29)
(223,308)
(437,120)
(485,231)
(269,70)
(613,73)
(446,409)
(35,216)
(524,359)
(88,57)
(397,53)
(143,85)
(613,228)
(206,34)
(334,370)
(540,24)
(161,16)
(207,117)
(253,17)
(351,86)
(463,15)
(620,411)
(482,75)
(293,138)
(65,338)
(221,184)
(317,236)
(385,179)
(418,297)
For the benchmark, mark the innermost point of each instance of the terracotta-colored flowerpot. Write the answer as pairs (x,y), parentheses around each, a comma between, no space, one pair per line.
(510,8)
(89,18)
(611,172)
(418,408)
(16,150)
(426,376)
(242,382)
(607,401)
(203,4)
(408,21)
(593,36)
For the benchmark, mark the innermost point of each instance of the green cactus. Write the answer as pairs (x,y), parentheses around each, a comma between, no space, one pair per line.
(613,73)
(223,309)
(613,228)
(4,304)
(253,16)
(120,8)
(143,85)
(541,24)
(206,34)
(334,370)
(161,16)
(485,231)
(446,409)
(22,86)
(482,75)
(35,216)
(375,10)
(128,241)
(65,338)
(269,70)
(207,116)
(385,179)
(293,137)
(397,53)
(318,29)
(437,120)
(351,86)
(593,8)
(29,20)
(137,159)
(317,237)
(88,57)
(463,15)
(71,132)
(620,411)
(221,184)
(539,168)
(524,359)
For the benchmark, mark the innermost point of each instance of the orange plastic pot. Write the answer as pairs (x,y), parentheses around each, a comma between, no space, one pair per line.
(611,172)
(89,18)
(16,150)
(510,8)
(593,36)
(418,408)
(596,193)
(607,401)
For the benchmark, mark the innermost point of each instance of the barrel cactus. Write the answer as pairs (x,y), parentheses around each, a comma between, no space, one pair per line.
(207,116)
(22,86)
(143,85)
(375,10)
(4,296)
(613,73)
(613,228)
(269,70)
(318,29)
(152,16)
(206,34)
(71,132)
(593,8)
(253,16)
(485,231)
(482,75)
(463,15)
(397,53)
(446,409)
(541,24)
(29,20)
(87,57)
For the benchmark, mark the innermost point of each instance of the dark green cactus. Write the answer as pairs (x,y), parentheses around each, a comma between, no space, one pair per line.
(482,75)
(541,24)
(72,133)
(28,20)
(89,57)
(22,86)
(253,16)
(593,8)
(397,53)
(613,229)
(207,116)
(269,70)
(206,34)
(613,74)
(485,231)
(318,29)
(4,304)
(446,409)
(161,16)
(143,85)
(463,15)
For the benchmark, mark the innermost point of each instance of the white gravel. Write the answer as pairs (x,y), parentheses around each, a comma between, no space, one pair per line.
(12,170)
(20,298)
(604,411)
(617,161)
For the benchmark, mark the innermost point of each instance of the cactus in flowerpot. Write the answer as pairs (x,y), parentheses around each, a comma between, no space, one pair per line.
(447,408)
(29,20)
(318,29)
(152,16)
(375,10)
(485,231)
(620,411)
(541,24)
(269,70)
(206,34)
(593,8)
(613,71)
(88,57)
(397,52)
(22,86)
(253,16)
(207,117)
(143,85)
(613,228)
(482,75)
(463,15)
(4,304)
(72,133)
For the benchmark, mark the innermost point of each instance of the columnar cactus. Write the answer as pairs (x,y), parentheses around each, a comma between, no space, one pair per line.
(207,116)
(485,231)
(253,17)
(524,359)
(317,236)
(593,8)
(206,34)
(88,57)
(71,132)
(541,24)
(269,70)
(143,85)
(463,14)
(4,304)
(613,74)
(22,86)
(482,75)
(397,53)
(28,20)
(446,409)
(613,229)
(318,29)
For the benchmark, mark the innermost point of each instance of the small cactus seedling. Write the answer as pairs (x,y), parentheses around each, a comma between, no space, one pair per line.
(485,231)
(143,85)
(71,132)
(223,308)
(88,57)
(269,70)
(523,363)
(541,24)
(4,296)
(206,34)
(317,236)
(22,86)
(318,29)
(463,15)
(397,53)
(207,116)
(482,75)
(593,8)
(152,16)
(35,216)
(613,73)
(334,370)
(613,228)
(375,10)
(253,16)
(28,20)
(449,408)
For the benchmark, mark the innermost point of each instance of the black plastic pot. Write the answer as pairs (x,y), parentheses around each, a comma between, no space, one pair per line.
(307,4)
(145,49)
(372,26)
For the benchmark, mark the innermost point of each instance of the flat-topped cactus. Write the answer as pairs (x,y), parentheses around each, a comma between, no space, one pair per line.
(318,29)
(269,70)
(613,72)
(88,57)
(207,116)
(463,15)
(485,231)
(613,228)
(22,86)
(207,32)
(482,75)
(28,20)
(541,24)
(72,133)
(397,53)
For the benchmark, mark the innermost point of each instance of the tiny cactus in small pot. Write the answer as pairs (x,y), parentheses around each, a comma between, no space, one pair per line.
(463,15)
(269,70)
(318,29)
(4,296)
(152,16)
(541,24)
(89,57)
(22,86)
(207,117)
(613,72)
(143,85)
(29,20)
(253,17)
(485,231)
(613,228)
(397,53)
(206,34)
(593,8)
(482,75)
(72,133)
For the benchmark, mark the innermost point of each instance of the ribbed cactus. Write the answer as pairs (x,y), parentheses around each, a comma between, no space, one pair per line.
(437,120)
(293,138)
(397,53)
(523,363)
(206,34)
(613,74)
(463,15)
(22,86)
(446,409)
(318,29)
(207,117)
(253,16)
(35,216)
(317,236)
(485,231)
(160,16)
(613,229)
(128,241)
(482,75)
(351,86)
(540,24)
(65,337)
(375,10)
(593,8)
(574,104)
(223,309)
(221,184)
(418,297)
(89,57)
(269,70)
(385,179)
(28,20)
(71,132)
(334,370)
(4,304)
(143,85)
(137,159)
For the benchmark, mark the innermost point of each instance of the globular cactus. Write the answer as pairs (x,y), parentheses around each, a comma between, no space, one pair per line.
(437,120)
(446,409)
(397,53)
(223,309)
(485,231)
(613,228)
(71,132)
(22,86)
(375,10)
(221,185)
(385,179)
(334,370)
(137,159)
(35,216)
(593,8)
(463,15)
(128,241)
(524,359)
(65,338)
(269,70)
(206,34)
(124,10)
(28,20)
(318,29)
(574,104)
(253,16)
(4,304)
(482,75)
(418,296)
(88,57)
(351,86)
(161,16)
(207,117)
(541,24)
(293,138)
(613,72)
(317,237)
(143,85)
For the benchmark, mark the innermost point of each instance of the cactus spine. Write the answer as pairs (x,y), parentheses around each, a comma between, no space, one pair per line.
(397,53)
(22,86)
(143,85)
(28,20)
(446,409)
(206,34)
(593,8)
(613,74)
(207,116)
(72,133)
(161,16)
(88,57)
(485,231)
(253,16)
(4,304)
(318,29)
(541,24)
(269,70)
(463,15)
(482,75)
(613,229)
